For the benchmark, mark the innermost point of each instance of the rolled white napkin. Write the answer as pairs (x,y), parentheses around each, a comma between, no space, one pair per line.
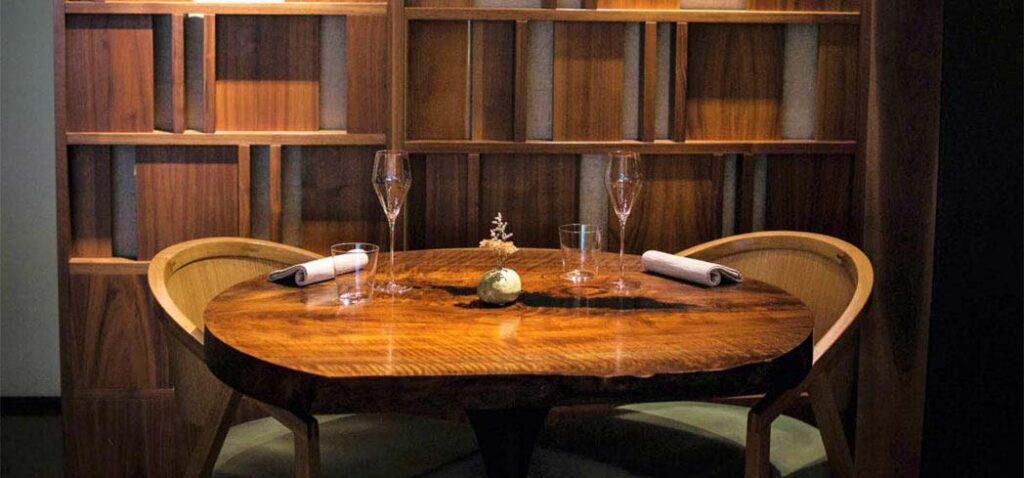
(318,270)
(692,270)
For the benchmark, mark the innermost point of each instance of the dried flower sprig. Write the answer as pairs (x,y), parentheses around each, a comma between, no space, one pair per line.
(499,242)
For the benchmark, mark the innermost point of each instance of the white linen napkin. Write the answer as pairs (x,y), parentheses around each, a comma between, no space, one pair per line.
(692,270)
(318,270)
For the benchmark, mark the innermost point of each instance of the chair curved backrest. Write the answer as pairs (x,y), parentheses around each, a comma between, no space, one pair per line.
(832,277)
(184,278)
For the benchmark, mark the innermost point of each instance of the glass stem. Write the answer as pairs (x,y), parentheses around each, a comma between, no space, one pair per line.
(622,250)
(391,224)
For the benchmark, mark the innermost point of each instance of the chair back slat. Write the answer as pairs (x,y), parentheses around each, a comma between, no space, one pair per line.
(184,278)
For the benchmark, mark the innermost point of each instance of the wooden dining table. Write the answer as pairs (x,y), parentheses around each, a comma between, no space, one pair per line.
(440,348)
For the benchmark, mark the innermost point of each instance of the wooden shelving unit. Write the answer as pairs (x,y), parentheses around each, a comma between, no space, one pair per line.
(149,98)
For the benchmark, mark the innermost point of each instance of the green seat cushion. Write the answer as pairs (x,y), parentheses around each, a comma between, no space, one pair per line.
(685,439)
(365,445)
(546,463)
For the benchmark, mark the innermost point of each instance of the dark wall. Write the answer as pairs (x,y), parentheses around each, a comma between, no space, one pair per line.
(973,421)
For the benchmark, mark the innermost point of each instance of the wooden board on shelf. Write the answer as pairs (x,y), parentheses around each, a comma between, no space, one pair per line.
(268,73)
(338,202)
(680,205)
(437,80)
(534,193)
(366,50)
(109,69)
(441,213)
(184,193)
(734,82)
(588,79)
(91,207)
(493,80)
(810,193)
(837,91)
(117,340)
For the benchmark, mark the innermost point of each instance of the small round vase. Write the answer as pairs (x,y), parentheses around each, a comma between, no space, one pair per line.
(499,286)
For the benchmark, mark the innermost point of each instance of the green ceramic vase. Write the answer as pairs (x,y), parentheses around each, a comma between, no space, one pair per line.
(499,286)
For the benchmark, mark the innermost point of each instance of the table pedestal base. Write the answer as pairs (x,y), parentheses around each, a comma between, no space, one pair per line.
(506,438)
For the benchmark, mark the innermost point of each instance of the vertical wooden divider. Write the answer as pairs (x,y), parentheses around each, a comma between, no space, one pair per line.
(472,198)
(209,73)
(275,192)
(397,46)
(678,132)
(244,201)
(745,195)
(649,87)
(178,73)
(521,102)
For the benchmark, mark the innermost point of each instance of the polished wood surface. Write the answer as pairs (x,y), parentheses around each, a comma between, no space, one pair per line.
(274,82)
(810,193)
(440,347)
(493,80)
(734,81)
(91,206)
(837,93)
(438,92)
(184,193)
(588,77)
(366,50)
(110,73)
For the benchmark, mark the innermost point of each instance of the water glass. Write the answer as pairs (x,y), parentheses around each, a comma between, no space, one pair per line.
(581,246)
(355,267)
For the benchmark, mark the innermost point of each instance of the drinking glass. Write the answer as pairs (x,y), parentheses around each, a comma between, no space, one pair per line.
(623,179)
(581,244)
(392,178)
(355,269)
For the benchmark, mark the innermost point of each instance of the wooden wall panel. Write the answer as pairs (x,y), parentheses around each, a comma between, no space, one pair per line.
(588,78)
(437,77)
(493,80)
(442,208)
(116,338)
(338,202)
(734,81)
(109,68)
(680,205)
(91,207)
(838,61)
(366,50)
(810,193)
(114,437)
(535,194)
(820,5)
(184,193)
(268,72)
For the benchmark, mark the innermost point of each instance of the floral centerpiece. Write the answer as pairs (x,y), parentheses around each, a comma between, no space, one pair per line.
(500,285)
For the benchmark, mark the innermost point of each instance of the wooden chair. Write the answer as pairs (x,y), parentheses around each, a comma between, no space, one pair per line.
(184,278)
(834,279)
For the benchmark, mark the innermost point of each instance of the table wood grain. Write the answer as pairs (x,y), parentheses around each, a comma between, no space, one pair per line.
(441,348)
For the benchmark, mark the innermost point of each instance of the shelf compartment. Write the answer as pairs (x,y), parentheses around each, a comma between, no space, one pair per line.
(642,147)
(584,15)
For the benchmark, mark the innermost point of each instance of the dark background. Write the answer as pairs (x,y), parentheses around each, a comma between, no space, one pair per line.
(973,419)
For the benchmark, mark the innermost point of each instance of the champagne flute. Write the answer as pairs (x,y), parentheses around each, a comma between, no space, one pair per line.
(392,178)
(623,179)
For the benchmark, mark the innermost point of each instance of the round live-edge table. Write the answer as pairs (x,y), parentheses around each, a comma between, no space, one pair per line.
(439,348)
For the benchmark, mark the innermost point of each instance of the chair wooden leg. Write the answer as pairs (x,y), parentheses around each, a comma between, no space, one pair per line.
(306,431)
(830,423)
(211,437)
(759,430)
